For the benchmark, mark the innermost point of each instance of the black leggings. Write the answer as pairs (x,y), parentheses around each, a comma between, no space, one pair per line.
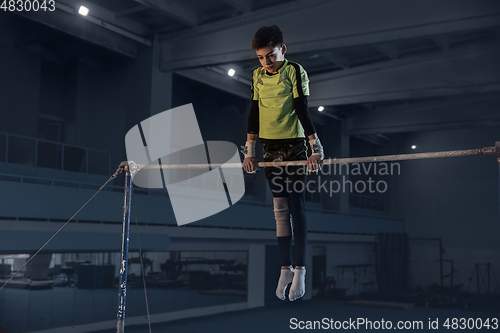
(282,182)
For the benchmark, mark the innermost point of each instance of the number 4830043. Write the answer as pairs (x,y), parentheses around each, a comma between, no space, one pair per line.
(28,5)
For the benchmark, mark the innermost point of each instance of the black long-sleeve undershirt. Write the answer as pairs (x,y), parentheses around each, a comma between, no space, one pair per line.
(253,118)
(302,109)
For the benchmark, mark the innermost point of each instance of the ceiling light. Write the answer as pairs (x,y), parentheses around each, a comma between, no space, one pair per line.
(321,108)
(231,72)
(413,147)
(83,10)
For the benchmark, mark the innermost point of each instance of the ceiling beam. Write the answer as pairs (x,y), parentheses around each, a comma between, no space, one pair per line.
(496,30)
(85,30)
(448,114)
(254,19)
(443,41)
(174,9)
(103,14)
(244,6)
(217,80)
(390,50)
(329,25)
(337,59)
(132,10)
(452,73)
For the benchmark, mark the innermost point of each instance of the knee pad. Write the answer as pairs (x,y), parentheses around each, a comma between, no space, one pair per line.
(282,215)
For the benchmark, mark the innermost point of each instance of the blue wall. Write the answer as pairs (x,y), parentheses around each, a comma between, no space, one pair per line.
(454,198)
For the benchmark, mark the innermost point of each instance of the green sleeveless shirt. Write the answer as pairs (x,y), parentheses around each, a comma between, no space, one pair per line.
(275,94)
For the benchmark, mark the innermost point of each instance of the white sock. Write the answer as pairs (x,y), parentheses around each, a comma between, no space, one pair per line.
(298,288)
(285,278)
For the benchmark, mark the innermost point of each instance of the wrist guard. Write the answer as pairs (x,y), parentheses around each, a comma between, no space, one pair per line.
(249,148)
(317,148)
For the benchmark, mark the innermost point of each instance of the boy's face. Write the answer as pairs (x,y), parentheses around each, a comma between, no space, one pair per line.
(271,58)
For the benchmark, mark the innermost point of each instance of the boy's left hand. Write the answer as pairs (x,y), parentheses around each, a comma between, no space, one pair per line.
(314,163)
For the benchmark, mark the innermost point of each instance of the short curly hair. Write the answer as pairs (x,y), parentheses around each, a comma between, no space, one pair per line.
(267,36)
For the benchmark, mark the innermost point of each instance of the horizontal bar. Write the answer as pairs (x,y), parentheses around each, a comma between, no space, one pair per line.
(384,158)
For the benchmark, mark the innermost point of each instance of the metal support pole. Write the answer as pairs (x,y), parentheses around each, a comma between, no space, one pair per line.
(122,292)
(488,277)
(497,152)
(477,278)
(7,148)
(441,265)
(451,278)
(62,157)
(36,153)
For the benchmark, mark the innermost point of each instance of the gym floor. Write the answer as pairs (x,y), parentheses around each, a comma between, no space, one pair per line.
(277,318)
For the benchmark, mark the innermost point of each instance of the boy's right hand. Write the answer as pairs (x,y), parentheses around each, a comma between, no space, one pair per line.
(250,164)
